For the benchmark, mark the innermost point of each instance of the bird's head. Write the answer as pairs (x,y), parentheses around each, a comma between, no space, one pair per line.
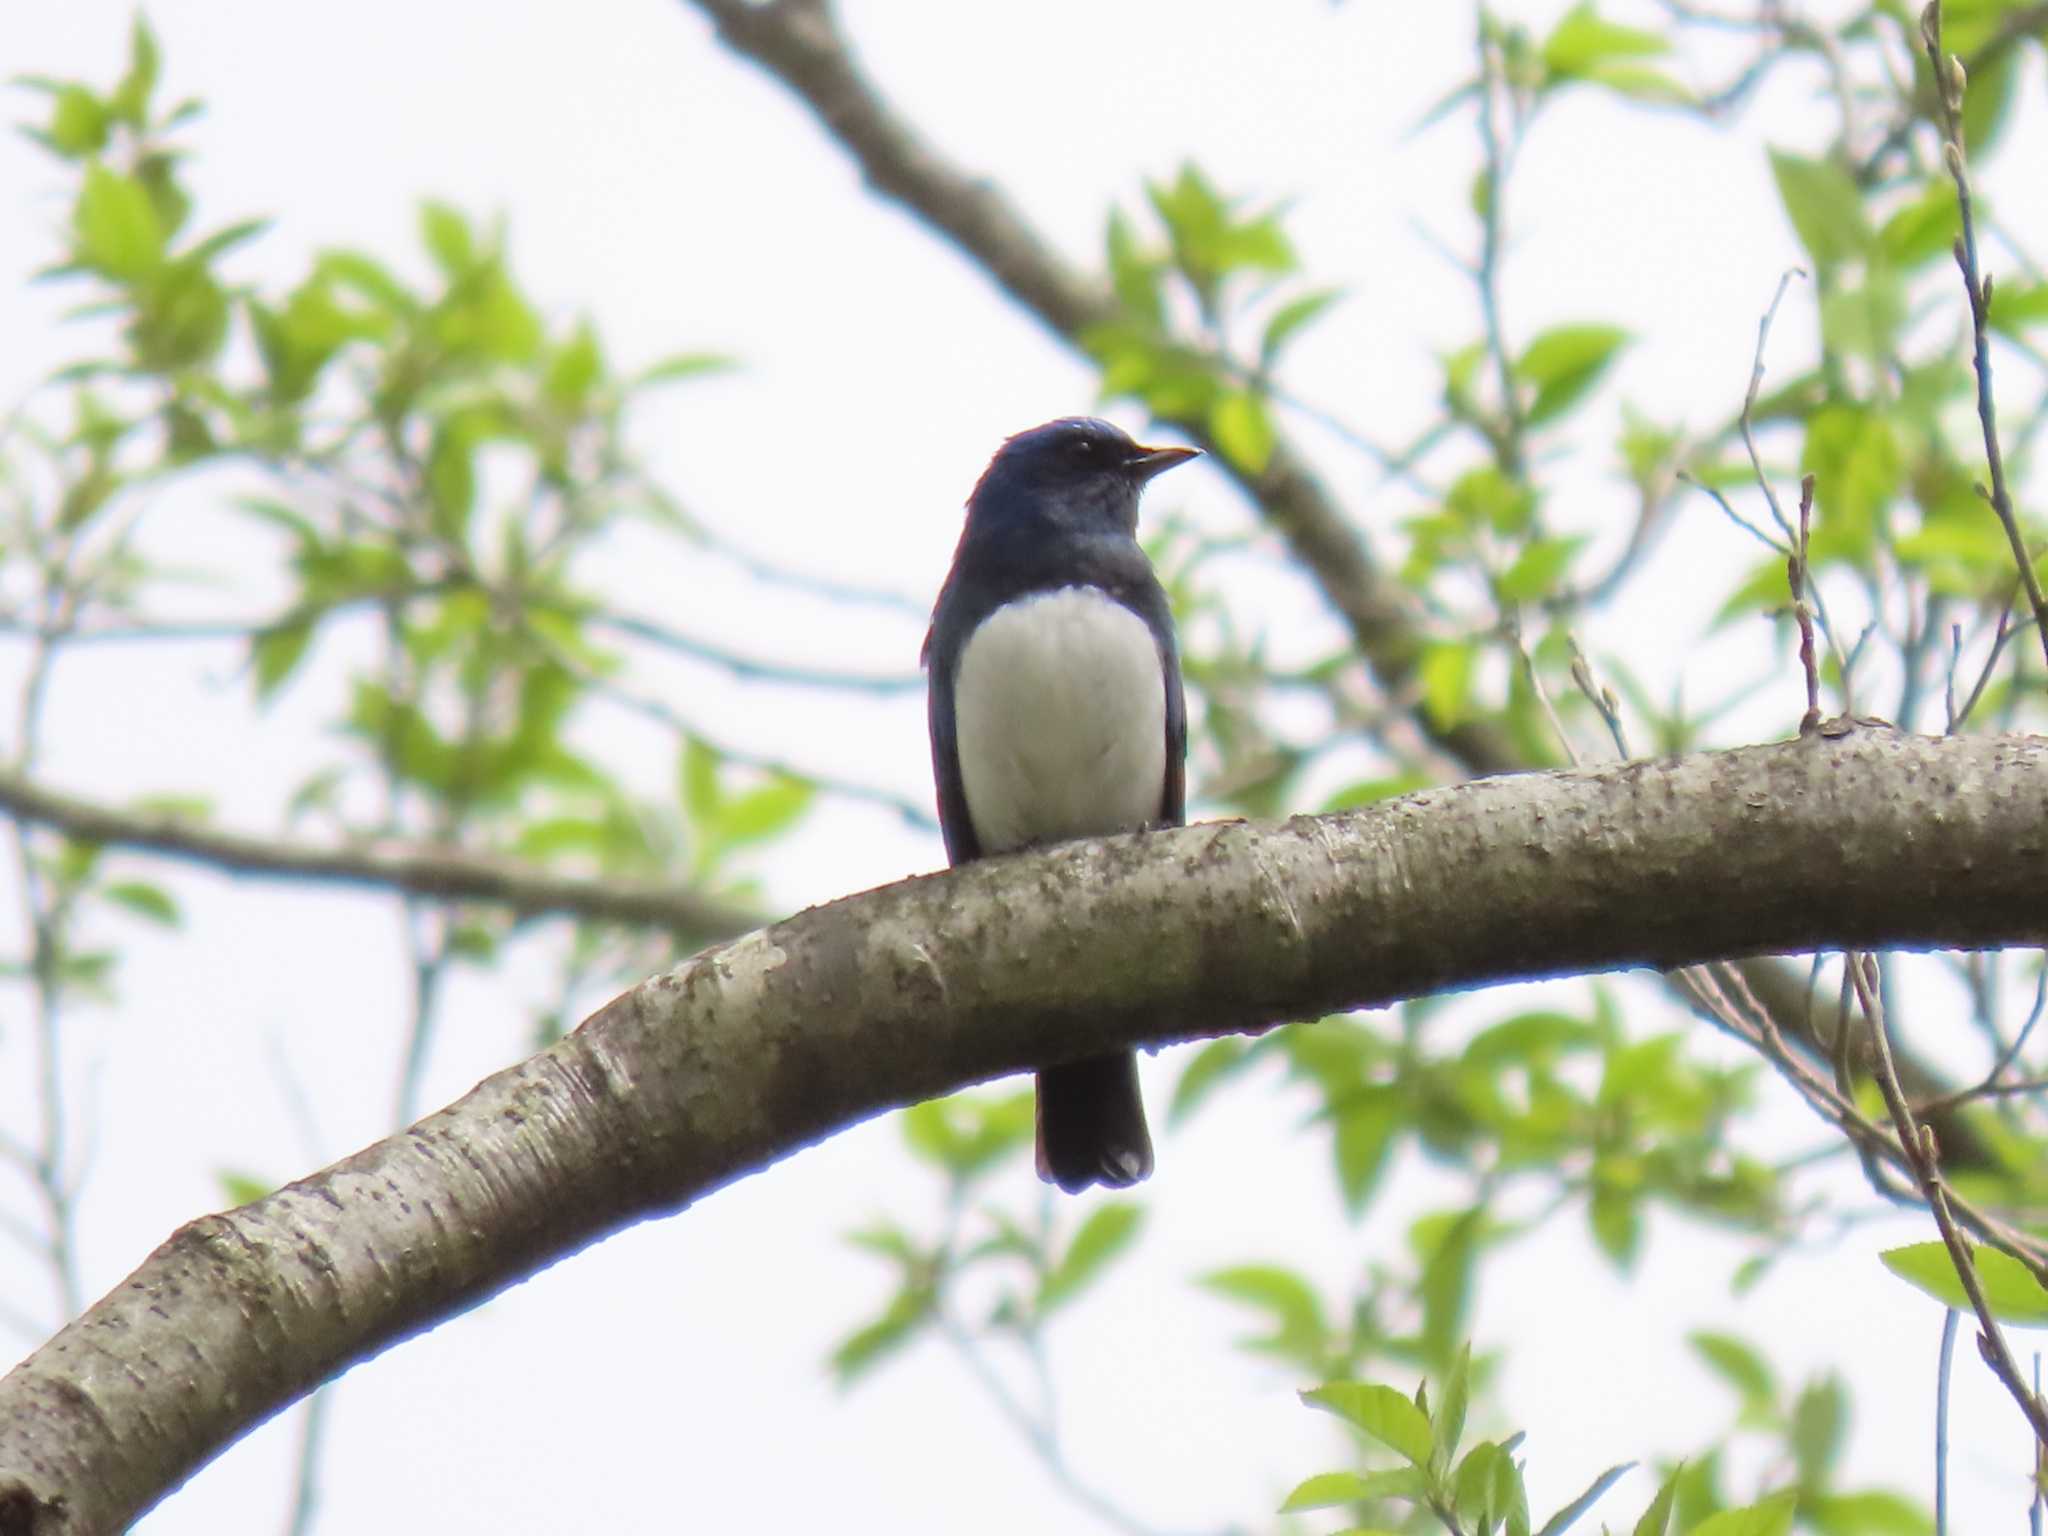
(1079,472)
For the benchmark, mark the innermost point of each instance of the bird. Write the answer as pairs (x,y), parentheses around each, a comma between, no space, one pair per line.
(1056,712)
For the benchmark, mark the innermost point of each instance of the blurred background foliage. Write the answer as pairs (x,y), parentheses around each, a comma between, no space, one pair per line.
(426,469)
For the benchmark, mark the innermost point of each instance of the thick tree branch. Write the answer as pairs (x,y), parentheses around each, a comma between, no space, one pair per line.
(761,1046)
(420,870)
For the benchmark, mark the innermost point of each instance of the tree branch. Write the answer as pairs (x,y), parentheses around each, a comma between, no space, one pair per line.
(450,873)
(800,44)
(754,1049)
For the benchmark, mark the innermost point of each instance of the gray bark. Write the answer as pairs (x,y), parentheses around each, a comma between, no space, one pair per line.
(761,1046)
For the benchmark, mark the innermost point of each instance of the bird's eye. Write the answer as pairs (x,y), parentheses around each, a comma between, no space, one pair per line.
(1084,447)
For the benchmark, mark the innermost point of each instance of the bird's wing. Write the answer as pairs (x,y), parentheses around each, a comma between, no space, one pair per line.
(1173,804)
(941,655)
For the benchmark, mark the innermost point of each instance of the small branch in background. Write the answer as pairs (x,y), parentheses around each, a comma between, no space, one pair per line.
(1038,1427)
(751,669)
(1736,1008)
(914,813)
(1499,154)
(1756,384)
(1793,540)
(46,1162)
(1923,1159)
(305,1503)
(1991,1085)
(736,663)
(1950,79)
(1795,574)
(449,873)
(1602,698)
(2006,631)
(1728,508)
(1944,1375)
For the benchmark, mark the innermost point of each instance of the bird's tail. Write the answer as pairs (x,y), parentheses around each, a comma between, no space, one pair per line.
(1091,1124)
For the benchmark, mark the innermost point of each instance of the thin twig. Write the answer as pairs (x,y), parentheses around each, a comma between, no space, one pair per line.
(1923,1159)
(1775,546)
(1756,384)
(1950,79)
(1944,1374)
(1603,699)
(1991,1087)
(447,873)
(1795,573)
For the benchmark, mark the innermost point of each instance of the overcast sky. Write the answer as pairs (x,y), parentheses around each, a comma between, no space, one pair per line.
(672,1377)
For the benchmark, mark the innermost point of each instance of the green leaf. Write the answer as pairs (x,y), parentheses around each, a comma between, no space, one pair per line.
(1864,319)
(555,836)
(1108,1231)
(1366,1125)
(2015,1296)
(1818,1418)
(448,239)
(1853,454)
(118,233)
(1640,83)
(1924,228)
(1583,40)
(1824,206)
(79,123)
(148,901)
(1987,104)
(451,478)
(966,1134)
(762,813)
(1133,274)
(181,316)
(575,369)
(242,1188)
(367,279)
(1381,1412)
(85,496)
(276,652)
(1243,431)
(1289,319)
(2016,308)
(1373,791)
(1656,1519)
(1448,1243)
(1742,1368)
(1538,569)
(224,240)
(130,101)
(1485,1485)
(1333,1488)
(1448,1426)
(697,779)
(1873,1513)
(1485,496)
(1567,1517)
(1445,672)
(1325,1491)
(1563,363)
(1616,1217)
(684,365)
(1219,1059)
(1770,1517)
(908,1310)
(1299,1331)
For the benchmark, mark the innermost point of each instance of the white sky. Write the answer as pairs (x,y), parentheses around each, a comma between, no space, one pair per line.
(672,1376)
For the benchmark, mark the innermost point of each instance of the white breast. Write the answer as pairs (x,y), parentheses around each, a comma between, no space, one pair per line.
(1059,705)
